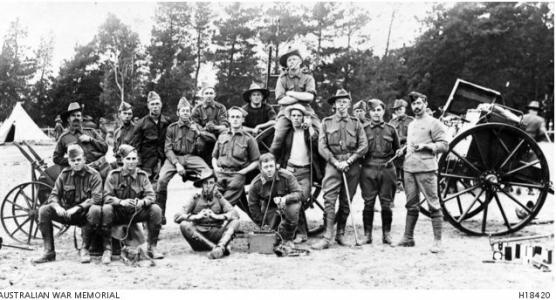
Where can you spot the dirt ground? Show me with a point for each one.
(373, 266)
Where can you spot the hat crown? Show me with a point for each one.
(74, 106)
(124, 106)
(152, 96)
(342, 92)
(534, 103)
(255, 86)
(183, 103)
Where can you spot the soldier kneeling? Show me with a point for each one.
(132, 197)
(208, 221)
(77, 188)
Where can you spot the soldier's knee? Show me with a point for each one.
(155, 210)
(45, 212)
(187, 227)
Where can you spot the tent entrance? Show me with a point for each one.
(11, 135)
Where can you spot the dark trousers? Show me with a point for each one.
(191, 163)
(231, 185)
(303, 176)
(289, 218)
(152, 214)
(377, 181)
(209, 235)
(47, 214)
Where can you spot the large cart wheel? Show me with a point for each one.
(453, 185)
(19, 212)
(314, 210)
(496, 180)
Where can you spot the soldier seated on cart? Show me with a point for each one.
(235, 155)
(89, 139)
(132, 198)
(275, 194)
(207, 220)
(76, 189)
(260, 115)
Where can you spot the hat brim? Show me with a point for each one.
(289, 109)
(65, 115)
(284, 58)
(333, 99)
(247, 94)
(199, 183)
(534, 107)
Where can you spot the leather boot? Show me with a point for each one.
(410, 221)
(222, 249)
(106, 245)
(198, 241)
(386, 215)
(49, 253)
(324, 243)
(437, 231)
(86, 233)
(161, 197)
(154, 231)
(368, 226)
(340, 233)
(301, 229)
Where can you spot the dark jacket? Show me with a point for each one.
(317, 161)
(148, 137)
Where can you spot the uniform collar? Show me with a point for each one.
(339, 118)
(240, 132)
(81, 172)
(381, 124)
(182, 123)
(294, 75)
(125, 172)
(206, 104)
(264, 180)
(75, 130)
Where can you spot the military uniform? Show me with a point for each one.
(94, 149)
(204, 114)
(208, 233)
(341, 139)
(58, 130)
(148, 138)
(377, 177)
(122, 135)
(72, 188)
(263, 190)
(401, 123)
(121, 185)
(180, 147)
(534, 126)
(234, 151)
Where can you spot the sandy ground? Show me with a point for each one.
(460, 266)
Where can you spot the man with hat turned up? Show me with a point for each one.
(235, 154)
(182, 140)
(400, 121)
(77, 189)
(260, 115)
(149, 135)
(208, 221)
(361, 112)
(275, 194)
(342, 142)
(122, 135)
(378, 178)
(534, 124)
(426, 137)
(293, 86)
(89, 139)
(132, 199)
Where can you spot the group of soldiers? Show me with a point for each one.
(215, 148)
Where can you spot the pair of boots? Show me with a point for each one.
(386, 215)
(325, 242)
(152, 240)
(411, 221)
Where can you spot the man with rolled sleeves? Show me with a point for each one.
(207, 220)
(122, 135)
(132, 199)
(378, 178)
(180, 148)
(89, 139)
(77, 189)
(400, 121)
(275, 194)
(260, 115)
(235, 154)
(293, 86)
(426, 137)
(360, 111)
(342, 142)
(148, 137)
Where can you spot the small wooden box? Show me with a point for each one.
(261, 242)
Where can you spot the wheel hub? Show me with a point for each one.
(490, 179)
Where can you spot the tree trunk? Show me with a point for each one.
(198, 58)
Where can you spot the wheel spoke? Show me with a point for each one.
(517, 201)
(459, 206)
(17, 205)
(18, 216)
(457, 176)
(511, 154)
(318, 204)
(465, 161)
(27, 199)
(481, 153)
(36, 231)
(20, 226)
(523, 184)
(462, 217)
(522, 167)
(501, 141)
(452, 196)
(502, 211)
(485, 214)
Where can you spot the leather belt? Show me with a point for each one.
(292, 168)
(379, 164)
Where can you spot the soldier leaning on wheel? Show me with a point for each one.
(342, 142)
(132, 199)
(207, 220)
(280, 187)
(378, 178)
(426, 137)
(180, 147)
(260, 115)
(235, 154)
(78, 189)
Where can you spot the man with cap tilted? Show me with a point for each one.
(122, 135)
(378, 178)
(58, 128)
(182, 140)
(132, 199)
(89, 139)
(77, 189)
(534, 124)
(260, 115)
(148, 137)
(296, 157)
(235, 154)
(275, 194)
(361, 112)
(400, 121)
(293, 86)
(208, 221)
(342, 142)
(426, 137)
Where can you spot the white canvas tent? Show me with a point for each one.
(20, 127)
